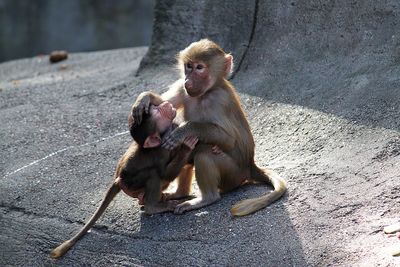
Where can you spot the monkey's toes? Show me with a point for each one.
(181, 208)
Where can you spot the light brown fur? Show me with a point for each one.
(213, 113)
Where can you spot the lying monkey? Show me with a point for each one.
(145, 169)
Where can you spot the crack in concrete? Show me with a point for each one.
(24, 211)
(62, 150)
(100, 228)
(253, 30)
(103, 93)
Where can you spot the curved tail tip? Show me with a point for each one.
(241, 208)
(59, 251)
(56, 253)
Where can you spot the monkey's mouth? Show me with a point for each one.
(190, 90)
(193, 93)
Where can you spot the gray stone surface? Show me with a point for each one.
(319, 82)
(30, 28)
(178, 23)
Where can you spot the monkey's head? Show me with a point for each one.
(203, 64)
(154, 124)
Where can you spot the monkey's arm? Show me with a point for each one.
(142, 104)
(181, 158)
(207, 132)
(175, 94)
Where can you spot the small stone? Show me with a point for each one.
(57, 56)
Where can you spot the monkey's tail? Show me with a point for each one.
(64, 247)
(249, 206)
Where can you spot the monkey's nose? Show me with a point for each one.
(188, 84)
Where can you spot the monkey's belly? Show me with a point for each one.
(133, 192)
(138, 193)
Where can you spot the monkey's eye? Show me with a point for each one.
(199, 67)
(189, 65)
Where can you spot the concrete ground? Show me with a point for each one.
(324, 112)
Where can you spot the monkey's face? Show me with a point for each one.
(197, 78)
(163, 115)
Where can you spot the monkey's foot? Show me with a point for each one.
(194, 204)
(176, 195)
(155, 210)
(167, 206)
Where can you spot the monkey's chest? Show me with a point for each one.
(202, 109)
(195, 112)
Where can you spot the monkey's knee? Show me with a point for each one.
(207, 176)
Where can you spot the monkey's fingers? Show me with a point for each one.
(139, 113)
(194, 139)
(146, 102)
(135, 114)
(191, 141)
(216, 150)
(170, 143)
(171, 204)
(168, 146)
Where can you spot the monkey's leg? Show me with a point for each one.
(208, 177)
(184, 184)
(153, 203)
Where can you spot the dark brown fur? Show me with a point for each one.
(150, 169)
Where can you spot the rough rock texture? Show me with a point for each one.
(319, 82)
(178, 23)
(30, 28)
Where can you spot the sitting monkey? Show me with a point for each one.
(156, 124)
(145, 169)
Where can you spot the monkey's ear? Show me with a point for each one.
(228, 65)
(153, 140)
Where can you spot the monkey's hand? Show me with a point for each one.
(191, 142)
(175, 139)
(216, 150)
(141, 105)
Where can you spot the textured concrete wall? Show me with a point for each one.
(340, 57)
(29, 28)
(178, 23)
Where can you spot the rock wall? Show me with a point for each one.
(29, 28)
(340, 57)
